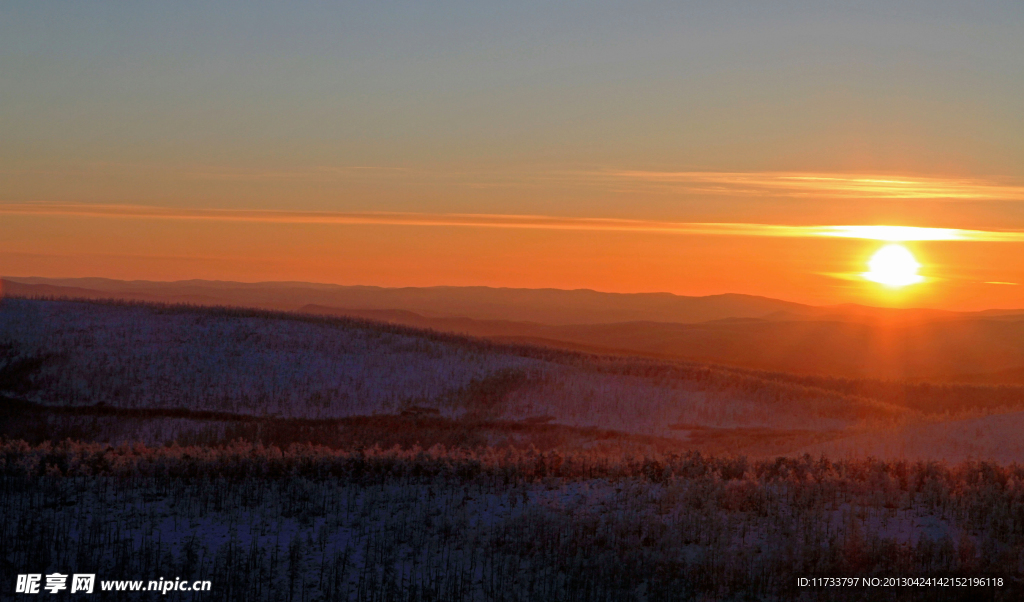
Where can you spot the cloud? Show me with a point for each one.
(833, 186)
(533, 222)
(824, 185)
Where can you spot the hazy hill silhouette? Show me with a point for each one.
(850, 341)
(976, 350)
(548, 306)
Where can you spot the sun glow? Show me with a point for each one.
(894, 266)
(899, 233)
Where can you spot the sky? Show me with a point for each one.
(688, 147)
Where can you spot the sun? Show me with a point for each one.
(894, 266)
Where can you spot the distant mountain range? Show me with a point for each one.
(742, 330)
(546, 306)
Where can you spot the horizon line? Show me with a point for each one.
(513, 288)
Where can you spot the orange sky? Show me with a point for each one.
(693, 148)
(809, 263)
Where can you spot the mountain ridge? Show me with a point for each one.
(848, 341)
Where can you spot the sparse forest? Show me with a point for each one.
(312, 523)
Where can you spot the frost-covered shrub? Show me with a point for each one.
(311, 523)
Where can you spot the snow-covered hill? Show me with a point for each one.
(299, 366)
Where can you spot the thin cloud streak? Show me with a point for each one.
(534, 222)
(836, 186)
(825, 185)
